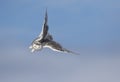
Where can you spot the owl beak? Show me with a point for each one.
(32, 50)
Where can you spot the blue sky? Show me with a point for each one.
(89, 27)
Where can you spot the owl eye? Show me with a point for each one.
(37, 43)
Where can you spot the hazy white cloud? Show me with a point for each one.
(18, 65)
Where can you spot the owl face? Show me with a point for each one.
(36, 45)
